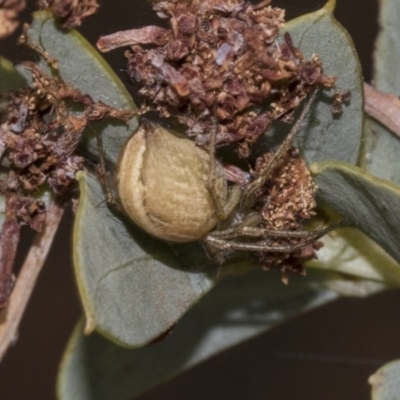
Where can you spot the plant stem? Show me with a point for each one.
(11, 316)
(383, 107)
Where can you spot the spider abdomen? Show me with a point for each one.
(162, 185)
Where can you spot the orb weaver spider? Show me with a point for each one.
(224, 225)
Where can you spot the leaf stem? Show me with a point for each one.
(12, 314)
(383, 107)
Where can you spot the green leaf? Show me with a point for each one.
(371, 204)
(382, 149)
(386, 382)
(9, 77)
(387, 56)
(234, 311)
(324, 136)
(133, 287)
(349, 251)
(82, 66)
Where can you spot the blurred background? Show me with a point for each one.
(326, 354)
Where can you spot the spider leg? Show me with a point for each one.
(111, 200)
(261, 246)
(251, 189)
(210, 182)
(223, 207)
(254, 231)
(219, 240)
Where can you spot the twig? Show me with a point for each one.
(383, 107)
(9, 239)
(11, 316)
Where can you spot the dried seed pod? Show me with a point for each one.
(162, 185)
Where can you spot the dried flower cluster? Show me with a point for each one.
(285, 202)
(9, 10)
(288, 197)
(39, 134)
(221, 62)
(290, 262)
(70, 12)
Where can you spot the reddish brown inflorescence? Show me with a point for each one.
(287, 200)
(288, 197)
(219, 63)
(70, 12)
(40, 131)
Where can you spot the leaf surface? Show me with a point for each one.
(235, 310)
(349, 251)
(371, 204)
(382, 150)
(134, 287)
(325, 136)
(386, 382)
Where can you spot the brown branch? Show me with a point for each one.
(9, 239)
(11, 316)
(383, 107)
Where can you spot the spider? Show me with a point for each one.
(249, 234)
(224, 222)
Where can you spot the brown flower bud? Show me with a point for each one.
(162, 184)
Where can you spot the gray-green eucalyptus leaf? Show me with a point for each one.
(235, 310)
(386, 382)
(325, 136)
(382, 149)
(350, 251)
(133, 287)
(369, 203)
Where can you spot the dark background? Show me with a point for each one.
(325, 354)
